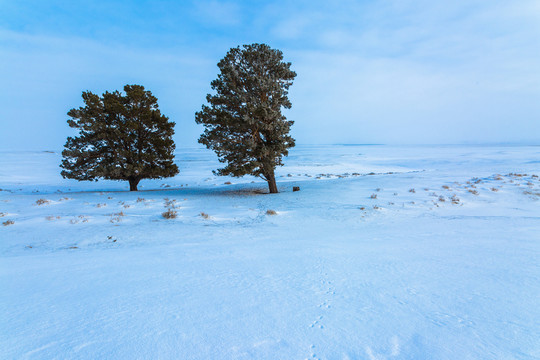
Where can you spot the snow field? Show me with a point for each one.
(447, 271)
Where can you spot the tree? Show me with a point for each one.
(121, 137)
(243, 121)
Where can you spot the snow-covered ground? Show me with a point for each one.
(385, 253)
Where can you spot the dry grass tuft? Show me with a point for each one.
(412, 190)
(80, 218)
(169, 203)
(455, 199)
(116, 217)
(271, 212)
(42, 201)
(101, 205)
(205, 215)
(373, 196)
(8, 222)
(51, 218)
(169, 214)
(446, 187)
(494, 189)
(442, 199)
(230, 183)
(474, 192)
(2, 214)
(141, 200)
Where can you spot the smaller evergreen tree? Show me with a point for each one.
(243, 122)
(121, 137)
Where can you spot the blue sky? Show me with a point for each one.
(397, 72)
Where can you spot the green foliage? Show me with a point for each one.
(121, 137)
(243, 121)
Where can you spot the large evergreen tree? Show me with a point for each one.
(121, 137)
(243, 121)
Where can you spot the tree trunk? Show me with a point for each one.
(133, 182)
(271, 178)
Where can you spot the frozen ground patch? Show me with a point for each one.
(447, 271)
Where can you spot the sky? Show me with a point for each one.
(385, 72)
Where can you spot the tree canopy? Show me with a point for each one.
(243, 121)
(121, 137)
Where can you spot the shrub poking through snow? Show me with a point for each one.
(141, 200)
(116, 217)
(170, 203)
(205, 215)
(446, 187)
(442, 199)
(494, 189)
(169, 214)
(373, 196)
(101, 205)
(42, 201)
(455, 199)
(227, 183)
(8, 222)
(2, 214)
(271, 212)
(412, 190)
(474, 192)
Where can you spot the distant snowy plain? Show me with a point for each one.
(387, 252)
